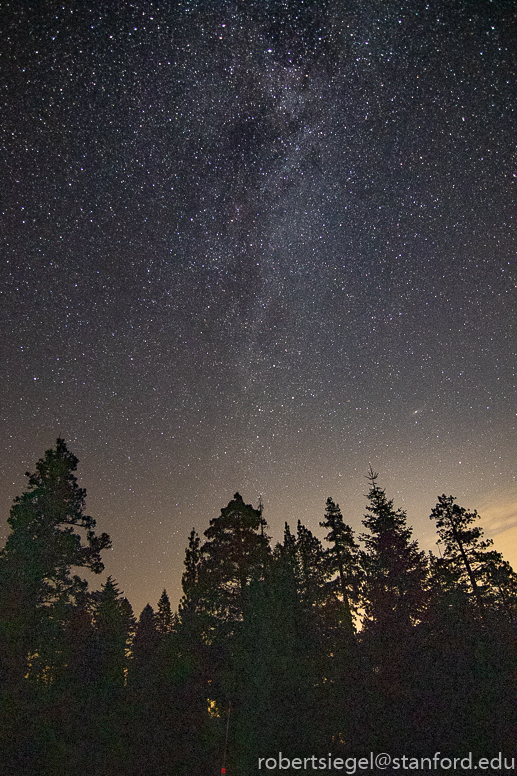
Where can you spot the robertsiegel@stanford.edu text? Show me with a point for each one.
(351, 765)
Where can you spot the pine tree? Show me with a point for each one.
(326, 649)
(467, 566)
(165, 619)
(235, 551)
(36, 584)
(277, 669)
(215, 582)
(193, 608)
(313, 571)
(78, 674)
(394, 597)
(394, 593)
(190, 578)
(465, 670)
(43, 546)
(342, 559)
(145, 649)
(114, 628)
(303, 553)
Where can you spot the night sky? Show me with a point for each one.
(256, 246)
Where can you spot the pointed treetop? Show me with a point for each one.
(164, 616)
(372, 476)
(147, 615)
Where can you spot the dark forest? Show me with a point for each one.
(332, 649)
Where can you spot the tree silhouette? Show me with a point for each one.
(467, 566)
(234, 552)
(165, 620)
(394, 599)
(342, 560)
(50, 534)
(269, 634)
(114, 627)
(394, 592)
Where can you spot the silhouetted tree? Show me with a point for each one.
(78, 675)
(191, 601)
(312, 571)
(277, 703)
(165, 620)
(217, 572)
(145, 648)
(467, 567)
(342, 559)
(36, 584)
(394, 592)
(394, 598)
(114, 628)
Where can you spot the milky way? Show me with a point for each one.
(258, 246)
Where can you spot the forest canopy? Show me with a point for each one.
(340, 646)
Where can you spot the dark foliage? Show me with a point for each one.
(301, 649)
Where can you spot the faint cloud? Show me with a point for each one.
(499, 516)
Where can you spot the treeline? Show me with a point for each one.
(362, 644)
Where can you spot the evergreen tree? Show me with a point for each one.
(345, 688)
(463, 676)
(312, 570)
(393, 597)
(217, 575)
(194, 614)
(114, 628)
(165, 620)
(276, 704)
(43, 546)
(78, 675)
(36, 584)
(288, 549)
(325, 645)
(190, 580)
(342, 559)
(235, 551)
(303, 553)
(394, 593)
(143, 670)
(468, 567)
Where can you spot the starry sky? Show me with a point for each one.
(255, 246)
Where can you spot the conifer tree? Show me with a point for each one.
(164, 617)
(36, 583)
(277, 668)
(190, 581)
(145, 648)
(313, 571)
(43, 546)
(342, 559)
(78, 673)
(394, 597)
(468, 566)
(465, 669)
(289, 545)
(234, 552)
(114, 628)
(303, 553)
(394, 593)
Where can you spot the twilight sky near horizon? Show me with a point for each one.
(256, 246)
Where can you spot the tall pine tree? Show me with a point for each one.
(234, 552)
(342, 559)
(50, 534)
(468, 567)
(394, 592)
